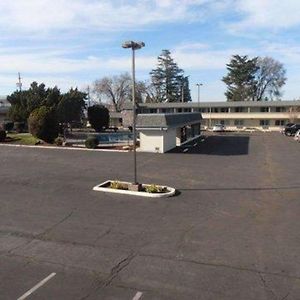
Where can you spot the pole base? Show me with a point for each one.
(135, 187)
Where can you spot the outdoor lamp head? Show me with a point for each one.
(133, 45)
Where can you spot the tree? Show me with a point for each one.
(167, 78)
(70, 107)
(98, 116)
(116, 89)
(186, 93)
(270, 77)
(24, 102)
(43, 124)
(240, 79)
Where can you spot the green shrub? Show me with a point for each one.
(8, 125)
(43, 124)
(91, 142)
(118, 185)
(2, 135)
(153, 188)
(59, 141)
(98, 116)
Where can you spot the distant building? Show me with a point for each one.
(4, 107)
(271, 115)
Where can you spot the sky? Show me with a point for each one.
(71, 43)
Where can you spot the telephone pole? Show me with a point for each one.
(19, 83)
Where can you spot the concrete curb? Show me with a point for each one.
(63, 148)
(100, 188)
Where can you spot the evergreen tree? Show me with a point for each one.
(167, 78)
(70, 107)
(240, 80)
(186, 90)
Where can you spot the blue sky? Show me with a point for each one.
(71, 43)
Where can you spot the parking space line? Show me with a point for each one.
(41, 283)
(137, 296)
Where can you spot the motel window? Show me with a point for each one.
(187, 110)
(264, 122)
(153, 110)
(239, 109)
(280, 109)
(203, 110)
(215, 110)
(238, 122)
(264, 109)
(224, 109)
(279, 122)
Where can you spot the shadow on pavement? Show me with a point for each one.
(243, 189)
(216, 145)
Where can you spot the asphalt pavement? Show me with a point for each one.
(232, 232)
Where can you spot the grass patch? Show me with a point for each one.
(22, 139)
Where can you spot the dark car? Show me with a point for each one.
(291, 130)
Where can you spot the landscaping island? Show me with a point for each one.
(146, 190)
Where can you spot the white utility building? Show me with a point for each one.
(162, 132)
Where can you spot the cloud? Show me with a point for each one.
(43, 16)
(265, 14)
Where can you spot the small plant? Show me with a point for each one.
(118, 185)
(91, 142)
(2, 135)
(59, 141)
(153, 188)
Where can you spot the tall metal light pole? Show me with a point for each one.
(198, 85)
(134, 46)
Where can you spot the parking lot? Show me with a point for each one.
(232, 232)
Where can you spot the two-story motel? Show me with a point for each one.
(271, 115)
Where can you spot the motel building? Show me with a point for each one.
(263, 115)
(163, 126)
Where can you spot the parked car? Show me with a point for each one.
(297, 136)
(288, 125)
(218, 128)
(291, 130)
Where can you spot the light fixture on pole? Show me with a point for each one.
(198, 85)
(133, 46)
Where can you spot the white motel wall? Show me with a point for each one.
(159, 141)
(160, 133)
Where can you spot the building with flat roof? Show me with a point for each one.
(270, 115)
(4, 107)
(162, 132)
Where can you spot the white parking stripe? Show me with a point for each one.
(41, 283)
(137, 296)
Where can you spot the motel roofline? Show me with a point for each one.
(167, 120)
(128, 106)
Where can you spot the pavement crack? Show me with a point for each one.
(216, 265)
(118, 268)
(42, 235)
(264, 282)
(121, 265)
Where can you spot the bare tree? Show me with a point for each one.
(294, 114)
(270, 78)
(116, 90)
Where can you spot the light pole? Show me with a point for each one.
(134, 46)
(198, 85)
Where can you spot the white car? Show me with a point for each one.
(297, 136)
(218, 128)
